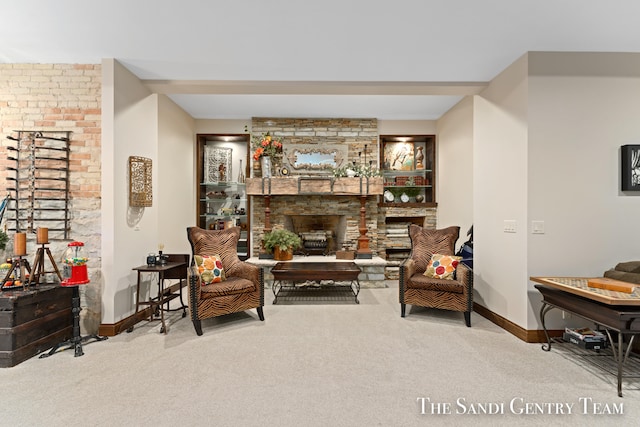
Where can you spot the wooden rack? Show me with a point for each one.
(40, 182)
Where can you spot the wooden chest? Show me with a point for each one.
(33, 321)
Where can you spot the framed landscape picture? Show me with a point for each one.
(630, 167)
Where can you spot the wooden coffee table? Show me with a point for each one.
(288, 276)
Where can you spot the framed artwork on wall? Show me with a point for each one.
(398, 156)
(630, 167)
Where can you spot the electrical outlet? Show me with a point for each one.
(510, 226)
(537, 227)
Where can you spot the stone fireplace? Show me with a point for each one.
(340, 214)
(360, 139)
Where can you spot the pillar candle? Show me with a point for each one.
(20, 244)
(43, 235)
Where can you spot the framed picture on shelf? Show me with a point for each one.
(630, 167)
(399, 156)
(217, 164)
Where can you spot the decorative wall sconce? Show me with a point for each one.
(140, 191)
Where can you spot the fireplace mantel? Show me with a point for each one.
(314, 185)
(360, 187)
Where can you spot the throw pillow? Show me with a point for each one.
(210, 269)
(442, 266)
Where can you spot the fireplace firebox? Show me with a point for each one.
(320, 234)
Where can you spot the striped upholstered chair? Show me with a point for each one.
(241, 287)
(417, 289)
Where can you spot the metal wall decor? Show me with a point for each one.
(40, 183)
(217, 164)
(140, 189)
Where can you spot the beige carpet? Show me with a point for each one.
(314, 363)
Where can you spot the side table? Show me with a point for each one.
(175, 268)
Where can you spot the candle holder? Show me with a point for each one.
(38, 263)
(19, 265)
(20, 244)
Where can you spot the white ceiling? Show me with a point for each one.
(402, 59)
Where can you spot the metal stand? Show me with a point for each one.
(38, 265)
(21, 265)
(76, 341)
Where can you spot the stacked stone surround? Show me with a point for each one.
(62, 97)
(317, 205)
(353, 133)
(425, 217)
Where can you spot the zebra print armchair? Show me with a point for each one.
(418, 289)
(243, 286)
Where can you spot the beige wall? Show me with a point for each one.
(407, 127)
(223, 126)
(500, 193)
(176, 177)
(582, 108)
(546, 147)
(152, 126)
(127, 232)
(454, 166)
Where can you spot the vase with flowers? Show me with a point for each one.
(265, 148)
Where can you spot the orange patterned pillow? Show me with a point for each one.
(442, 266)
(210, 269)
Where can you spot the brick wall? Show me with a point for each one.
(63, 97)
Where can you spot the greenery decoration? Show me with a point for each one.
(356, 170)
(283, 239)
(409, 191)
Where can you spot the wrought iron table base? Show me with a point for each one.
(278, 286)
(620, 355)
(76, 340)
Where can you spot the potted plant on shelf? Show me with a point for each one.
(281, 243)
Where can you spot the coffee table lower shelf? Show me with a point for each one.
(307, 281)
(305, 292)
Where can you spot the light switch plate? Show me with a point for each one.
(510, 226)
(537, 227)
